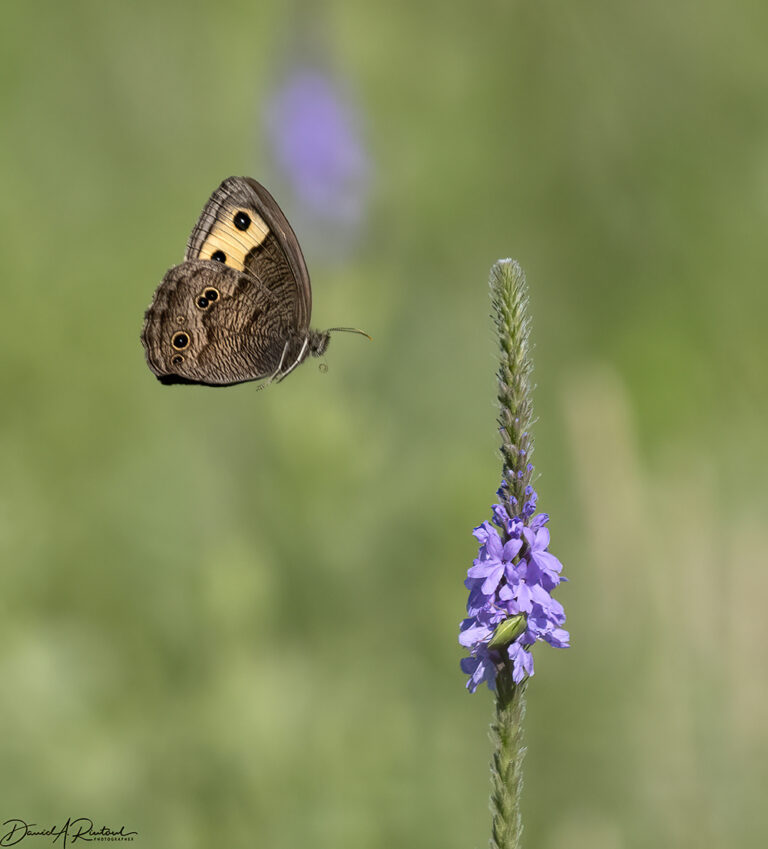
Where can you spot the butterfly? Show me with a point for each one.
(238, 307)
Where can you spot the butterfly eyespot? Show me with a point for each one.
(219, 256)
(242, 220)
(180, 341)
(211, 294)
(179, 319)
(202, 302)
(177, 359)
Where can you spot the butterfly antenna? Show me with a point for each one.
(348, 330)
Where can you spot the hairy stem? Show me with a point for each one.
(507, 762)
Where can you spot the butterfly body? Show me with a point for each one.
(238, 307)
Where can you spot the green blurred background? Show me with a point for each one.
(229, 618)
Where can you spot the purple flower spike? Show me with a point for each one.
(514, 573)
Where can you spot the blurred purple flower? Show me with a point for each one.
(312, 130)
(513, 574)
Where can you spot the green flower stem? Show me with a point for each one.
(507, 762)
(509, 300)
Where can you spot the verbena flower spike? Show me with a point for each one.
(510, 583)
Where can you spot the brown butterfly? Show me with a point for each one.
(238, 307)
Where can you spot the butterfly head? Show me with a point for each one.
(318, 342)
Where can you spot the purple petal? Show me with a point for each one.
(477, 602)
(515, 572)
(500, 515)
(558, 638)
(492, 581)
(506, 592)
(549, 581)
(530, 571)
(479, 669)
(522, 662)
(484, 568)
(524, 597)
(481, 532)
(511, 607)
(546, 562)
(493, 546)
(537, 626)
(551, 608)
(540, 596)
(511, 549)
(474, 634)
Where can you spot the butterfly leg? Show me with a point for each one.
(273, 376)
(279, 365)
(296, 361)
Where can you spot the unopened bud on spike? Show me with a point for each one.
(508, 631)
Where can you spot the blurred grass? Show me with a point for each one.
(231, 617)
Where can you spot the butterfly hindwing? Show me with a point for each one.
(216, 325)
(242, 227)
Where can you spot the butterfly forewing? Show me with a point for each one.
(243, 227)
